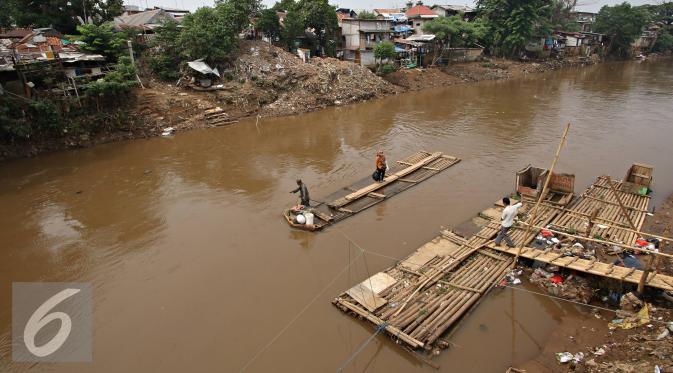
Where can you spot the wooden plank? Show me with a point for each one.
(376, 195)
(407, 181)
(366, 297)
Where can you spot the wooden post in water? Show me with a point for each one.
(533, 213)
(653, 263)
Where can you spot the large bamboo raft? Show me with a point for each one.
(366, 193)
(425, 294)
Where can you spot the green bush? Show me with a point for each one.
(387, 69)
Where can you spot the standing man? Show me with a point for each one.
(508, 215)
(303, 193)
(381, 166)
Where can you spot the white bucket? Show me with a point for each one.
(309, 218)
(301, 219)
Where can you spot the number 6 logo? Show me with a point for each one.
(40, 318)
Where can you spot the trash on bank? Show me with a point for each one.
(168, 131)
(639, 319)
(564, 357)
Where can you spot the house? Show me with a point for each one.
(16, 34)
(418, 15)
(393, 15)
(144, 21)
(419, 48)
(177, 13)
(647, 39)
(468, 13)
(42, 43)
(343, 13)
(360, 36)
(585, 20)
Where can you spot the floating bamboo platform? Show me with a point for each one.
(599, 199)
(419, 298)
(366, 193)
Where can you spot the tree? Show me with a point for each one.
(384, 50)
(205, 35)
(166, 57)
(293, 27)
(319, 16)
(366, 15)
(63, 15)
(512, 23)
(454, 30)
(269, 24)
(561, 17)
(102, 40)
(284, 5)
(664, 43)
(236, 14)
(622, 24)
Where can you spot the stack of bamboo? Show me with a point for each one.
(425, 302)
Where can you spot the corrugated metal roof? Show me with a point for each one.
(143, 18)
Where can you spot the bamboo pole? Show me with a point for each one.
(533, 213)
(652, 263)
(600, 241)
(621, 205)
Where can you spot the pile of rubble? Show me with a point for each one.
(572, 287)
(640, 340)
(287, 85)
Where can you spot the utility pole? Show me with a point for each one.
(130, 44)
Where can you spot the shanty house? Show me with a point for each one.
(451, 10)
(585, 20)
(145, 21)
(360, 36)
(418, 15)
(394, 15)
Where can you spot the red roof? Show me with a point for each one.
(419, 10)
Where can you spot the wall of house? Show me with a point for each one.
(418, 25)
(367, 58)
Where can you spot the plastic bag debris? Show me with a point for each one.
(564, 357)
(641, 318)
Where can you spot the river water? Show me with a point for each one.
(193, 268)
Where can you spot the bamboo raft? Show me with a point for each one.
(418, 299)
(365, 193)
(424, 295)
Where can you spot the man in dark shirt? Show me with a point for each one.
(303, 193)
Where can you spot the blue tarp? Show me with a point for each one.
(402, 28)
(400, 50)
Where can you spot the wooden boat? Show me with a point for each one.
(318, 222)
(530, 180)
(638, 176)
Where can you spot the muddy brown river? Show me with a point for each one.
(194, 269)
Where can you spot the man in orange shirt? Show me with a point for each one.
(381, 166)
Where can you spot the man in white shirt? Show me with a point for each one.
(508, 215)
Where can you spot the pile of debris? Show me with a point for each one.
(570, 287)
(567, 246)
(288, 85)
(640, 340)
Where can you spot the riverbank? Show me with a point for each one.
(270, 82)
(640, 349)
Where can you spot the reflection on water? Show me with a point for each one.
(194, 268)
